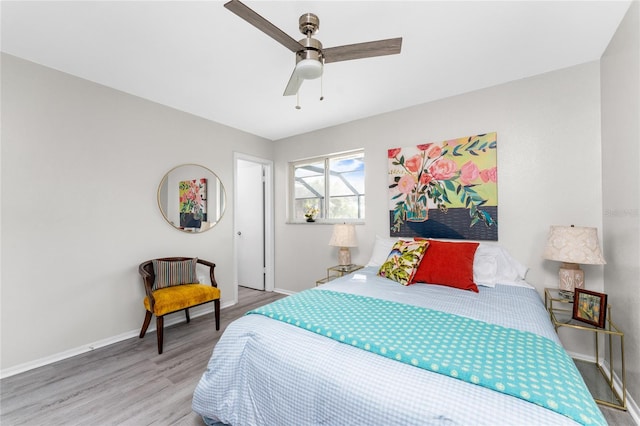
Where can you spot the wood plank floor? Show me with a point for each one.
(128, 383)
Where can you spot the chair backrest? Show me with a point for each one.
(147, 271)
(149, 276)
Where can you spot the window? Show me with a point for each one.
(334, 185)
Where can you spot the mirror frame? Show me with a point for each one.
(217, 203)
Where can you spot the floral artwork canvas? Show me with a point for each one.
(445, 190)
(193, 202)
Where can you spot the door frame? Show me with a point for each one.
(269, 242)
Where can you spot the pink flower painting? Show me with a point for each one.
(193, 202)
(443, 190)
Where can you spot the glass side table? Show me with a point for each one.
(600, 383)
(338, 271)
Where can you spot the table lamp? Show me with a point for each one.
(344, 236)
(573, 245)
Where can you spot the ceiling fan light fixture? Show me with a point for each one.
(309, 69)
(310, 55)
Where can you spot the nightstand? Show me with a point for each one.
(338, 271)
(599, 382)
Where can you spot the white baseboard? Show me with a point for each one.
(634, 409)
(171, 320)
(283, 291)
(632, 406)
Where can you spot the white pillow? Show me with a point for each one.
(485, 269)
(507, 269)
(517, 269)
(381, 249)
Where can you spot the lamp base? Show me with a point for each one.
(571, 277)
(344, 256)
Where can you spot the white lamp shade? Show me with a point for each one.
(309, 69)
(344, 235)
(574, 244)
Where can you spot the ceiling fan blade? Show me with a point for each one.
(294, 84)
(263, 25)
(369, 49)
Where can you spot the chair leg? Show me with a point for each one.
(216, 307)
(186, 313)
(145, 324)
(159, 326)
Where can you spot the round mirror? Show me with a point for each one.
(191, 198)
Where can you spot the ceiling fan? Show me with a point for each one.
(310, 55)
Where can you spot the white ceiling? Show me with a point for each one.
(200, 58)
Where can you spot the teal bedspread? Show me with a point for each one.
(514, 362)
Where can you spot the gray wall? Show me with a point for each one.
(81, 164)
(620, 68)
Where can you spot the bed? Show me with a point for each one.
(274, 366)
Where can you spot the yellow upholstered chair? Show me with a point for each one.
(171, 285)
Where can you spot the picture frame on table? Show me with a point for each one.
(590, 307)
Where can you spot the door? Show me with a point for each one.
(250, 224)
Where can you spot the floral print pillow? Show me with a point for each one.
(403, 260)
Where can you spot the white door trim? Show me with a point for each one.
(269, 242)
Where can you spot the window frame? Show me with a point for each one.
(325, 159)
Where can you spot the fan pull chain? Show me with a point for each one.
(321, 95)
(298, 100)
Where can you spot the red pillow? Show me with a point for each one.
(449, 264)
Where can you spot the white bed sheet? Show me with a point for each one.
(266, 372)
